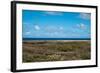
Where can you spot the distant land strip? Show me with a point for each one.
(56, 38)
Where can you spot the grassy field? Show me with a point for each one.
(41, 51)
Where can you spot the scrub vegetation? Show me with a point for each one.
(52, 50)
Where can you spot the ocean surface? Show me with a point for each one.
(56, 38)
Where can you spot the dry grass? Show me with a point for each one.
(40, 51)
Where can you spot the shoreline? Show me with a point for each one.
(54, 40)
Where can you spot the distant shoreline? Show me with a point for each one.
(56, 38)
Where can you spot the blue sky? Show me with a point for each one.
(51, 24)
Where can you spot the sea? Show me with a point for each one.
(56, 38)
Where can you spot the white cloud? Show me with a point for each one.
(56, 33)
(27, 33)
(53, 13)
(61, 28)
(53, 29)
(85, 15)
(81, 26)
(37, 27)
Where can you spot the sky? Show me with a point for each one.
(54, 24)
